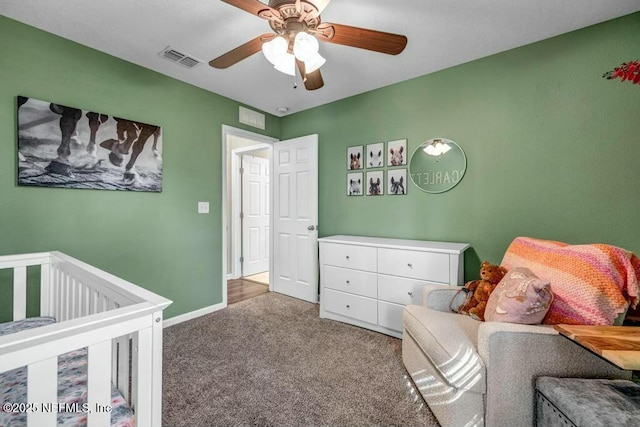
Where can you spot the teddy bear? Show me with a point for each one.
(490, 276)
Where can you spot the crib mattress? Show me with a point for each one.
(72, 385)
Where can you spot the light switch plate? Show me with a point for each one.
(203, 207)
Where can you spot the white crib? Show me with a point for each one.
(119, 323)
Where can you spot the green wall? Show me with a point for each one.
(156, 240)
(552, 147)
(552, 152)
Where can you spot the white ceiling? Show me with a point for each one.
(441, 33)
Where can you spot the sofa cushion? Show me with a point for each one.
(450, 341)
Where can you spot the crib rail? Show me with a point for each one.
(19, 264)
(119, 323)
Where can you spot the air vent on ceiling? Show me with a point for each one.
(179, 57)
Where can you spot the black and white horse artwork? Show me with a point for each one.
(57, 147)
(131, 134)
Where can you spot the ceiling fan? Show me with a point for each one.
(294, 43)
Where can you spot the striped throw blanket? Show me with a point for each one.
(592, 284)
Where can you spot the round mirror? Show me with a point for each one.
(437, 165)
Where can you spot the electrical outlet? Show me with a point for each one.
(203, 207)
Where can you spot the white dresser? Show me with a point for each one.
(367, 281)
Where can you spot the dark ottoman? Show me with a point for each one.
(587, 402)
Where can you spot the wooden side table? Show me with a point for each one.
(619, 345)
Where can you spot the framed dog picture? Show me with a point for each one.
(397, 182)
(375, 183)
(355, 158)
(354, 184)
(397, 152)
(375, 155)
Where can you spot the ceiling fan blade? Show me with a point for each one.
(362, 38)
(241, 52)
(255, 8)
(312, 81)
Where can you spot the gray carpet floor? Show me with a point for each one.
(271, 361)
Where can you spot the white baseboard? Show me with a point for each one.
(193, 314)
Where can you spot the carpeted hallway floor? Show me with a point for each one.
(271, 361)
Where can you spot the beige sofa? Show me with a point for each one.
(474, 373)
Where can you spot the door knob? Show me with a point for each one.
(410, 294)
(311, 228)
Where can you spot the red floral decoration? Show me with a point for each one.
(627, 71)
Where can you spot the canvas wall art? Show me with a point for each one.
(375, 155)
(397, 152)
(375, 183)
(355, 159)
(61, 146)
(397, 182)
(354, 184)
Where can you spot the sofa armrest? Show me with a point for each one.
(438, 297)
(515, 355)
(487, 330)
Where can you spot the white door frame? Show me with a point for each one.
(226, 132)
(236, 202)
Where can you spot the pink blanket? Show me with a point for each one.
(592, 284)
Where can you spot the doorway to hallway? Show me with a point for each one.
(289, 237)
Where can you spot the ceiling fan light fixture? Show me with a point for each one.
(305, 46)
(286, 64)
(313, 63)
(275, 49)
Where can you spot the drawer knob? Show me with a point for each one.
(347, 257)
(410, 294)
(348, 306)
(348, 282)
(410, 265)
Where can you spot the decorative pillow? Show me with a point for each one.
(520, 297)
(591, 284)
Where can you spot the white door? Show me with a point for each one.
(295, 218)
(255, 215)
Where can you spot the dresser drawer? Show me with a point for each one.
(350, 256)
(390, 315)
(401, 290)
(352, 281)
(349, 305)
(430, 266)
